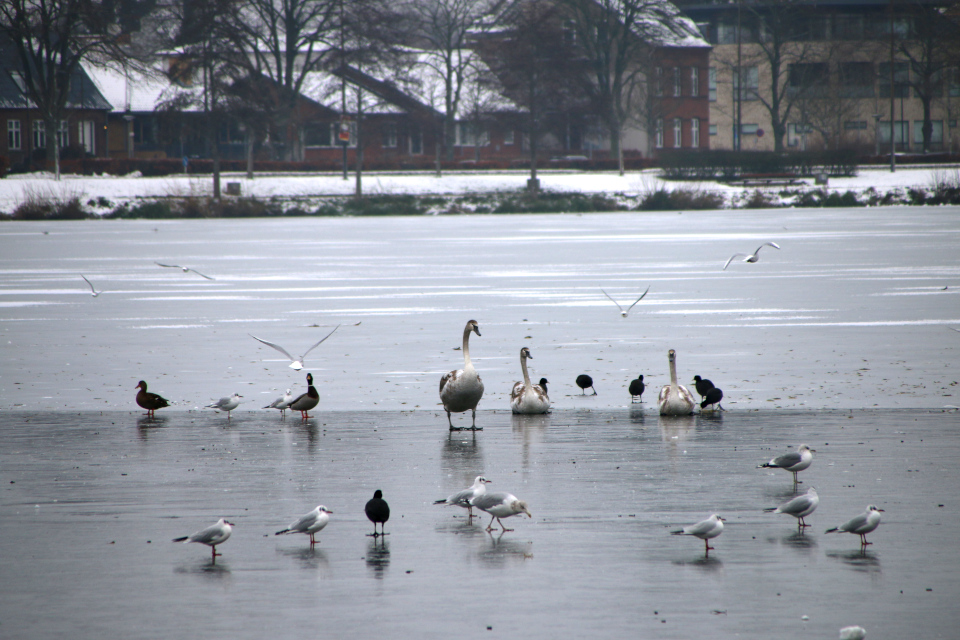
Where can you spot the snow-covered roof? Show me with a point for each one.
(129, 90)
(664, 24)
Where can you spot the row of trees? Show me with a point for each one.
(250, 58)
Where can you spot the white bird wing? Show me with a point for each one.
(638, 300)
(92, 290)
(173, 266)
(736, 255)
(614, 301)
(317, 344)
(275, 346)
(702, 527)
(766, 244)
(855, 524)
(305, 521)
(200, 274)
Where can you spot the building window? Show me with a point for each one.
(416, 142)
(658, 85)
(714, 129)
(855, 125)
(900, 128)
(809, 79)
(39, 135)
(694, 81)
(936, 134)
(63, 135)
(508, 137)
(659, 133)
(901, 79)
(677, 133)
(751, 83)
(953, 82)
(388, 134)
(319, 135)
(695, 132)
(677, 82)
(856, 79)
(749, 129)
(712, 83)
(13, 135)
(87, 139)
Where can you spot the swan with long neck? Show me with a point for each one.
(674, 399)
(462, 389)
(525, 397)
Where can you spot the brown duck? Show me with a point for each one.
(307, 401)
(150, 401)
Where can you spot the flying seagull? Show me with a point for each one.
(295, 363)
(93, 292)
(622, 312)
(753, 257)
(185, 269)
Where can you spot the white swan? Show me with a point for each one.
(526, 397)
(674, 399)
(462, 389)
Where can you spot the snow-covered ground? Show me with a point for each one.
(14, 189)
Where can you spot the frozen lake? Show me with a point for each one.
(843, 340)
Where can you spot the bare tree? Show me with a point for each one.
(931, 48)
(446, 27)
(51, 39)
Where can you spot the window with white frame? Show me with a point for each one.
(508, 137)
(658, 86)
(86, 134)
(751, 83)
(694, 81)
(39, 134)
(13, 135)
(677, 133)
(63, 135)
(712, 83)
(695, 132)
(388, 133)
(936, 132)
(659, 133)
(677, 82)
(714, 129)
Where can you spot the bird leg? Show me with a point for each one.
(502, 526)
(312, 541)
(490, 526)
(706, 543)
(863, 540)
(801, 523)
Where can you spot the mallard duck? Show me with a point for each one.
(306, 401)
(526, 398)
(462, 389)
(150, 401)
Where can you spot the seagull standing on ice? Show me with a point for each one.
(295, 363)
(184, 269)
(463, 498)
(310, 523)
(705, 530)
(211, 536)
(800, 507)
(227, 404)
(861, 525)
(281, 403)
(753, 257)
(500, 505)
(622, 312)
(792, 462)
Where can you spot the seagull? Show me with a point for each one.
(310, 523)
(861, 525)
(500, 505)
(792, 462)
(463, 498)
(636, 388)
(622, 312)
(211, 536)
(377, 510)
(855, 632)
(753, 257)
(227, 404)
(800, 507)
(185, 269)
(296, 363)
(705, 530)
(712, 400)
(584, 382)
(93, 292)
(281, 403)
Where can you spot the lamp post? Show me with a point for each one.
(876, 133)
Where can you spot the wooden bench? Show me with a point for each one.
(767, 179)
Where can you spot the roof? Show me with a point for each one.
(129, 90)
(665, 25)
(84, 94)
